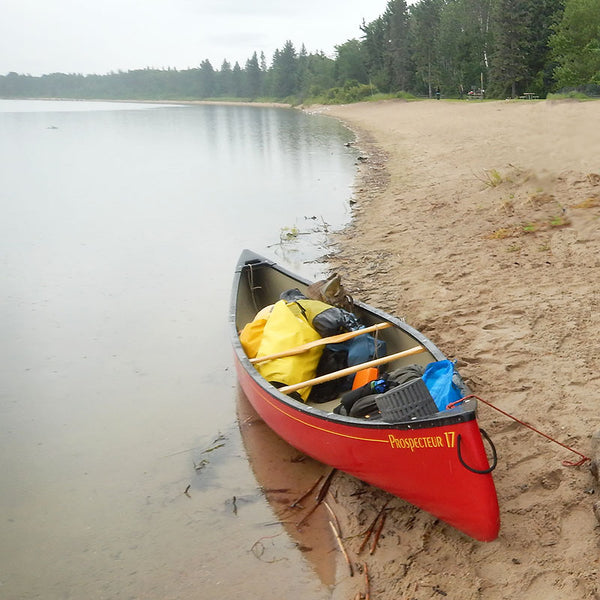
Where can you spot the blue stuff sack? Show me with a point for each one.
(438, 379)
(364, 348)
(360, 349)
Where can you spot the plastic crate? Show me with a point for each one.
(406, 402)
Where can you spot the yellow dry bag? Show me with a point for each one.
(287, 328)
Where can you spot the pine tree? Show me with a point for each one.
(398, 63)
(425, 28)
(512, 18)
(253, 78)
(285, 71)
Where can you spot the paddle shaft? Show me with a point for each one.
(334, 339)
(349, 370)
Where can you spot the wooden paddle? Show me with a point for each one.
(333, 339)
(349, 370)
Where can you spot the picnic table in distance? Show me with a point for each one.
(475, 95)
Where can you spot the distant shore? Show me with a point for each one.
(176, 102)
(479, 222)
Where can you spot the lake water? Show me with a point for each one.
(120, 228)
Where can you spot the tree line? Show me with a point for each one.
(502, 48)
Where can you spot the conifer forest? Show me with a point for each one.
(486, 48)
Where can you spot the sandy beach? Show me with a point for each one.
(479, 223)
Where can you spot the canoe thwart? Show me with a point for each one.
(350, 370)
(332, 339)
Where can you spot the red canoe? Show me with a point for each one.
(437, 462)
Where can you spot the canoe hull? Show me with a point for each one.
(420, 466)
(423, 462)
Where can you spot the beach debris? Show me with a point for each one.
(595, 463)
(366, 595)
(379, 518)
(333, 516)
(340, 543)
(288, 233)
(367, 582)
(216, 444)
(320, 497)
(258, 548)
(308, 492)
(378, 533)
(187, 490)
(198, 466)
(325, 487)
(593, 178)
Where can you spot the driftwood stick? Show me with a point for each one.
(371, 528)
(595, 466)
(367, 535)
(349, 370)
(307, 493)
(305, 518)
(332, 339)
(367, 582)
(320, 497)
(376, 538)
(333, 516)
(325, 487)
(342, 548)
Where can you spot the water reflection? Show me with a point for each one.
(285, 476)
(120, 231)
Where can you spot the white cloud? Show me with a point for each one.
(43, 36)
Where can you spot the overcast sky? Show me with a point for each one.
(99, 36)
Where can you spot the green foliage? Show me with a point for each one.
(506, 47)
(509, 70)
(576, 44)
(350, 63)
(572, 95)
(351, 91)
(424, 34)
(405, 96)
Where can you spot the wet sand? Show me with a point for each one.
(479, 224)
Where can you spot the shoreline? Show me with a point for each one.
(170, 102)
(480, 224)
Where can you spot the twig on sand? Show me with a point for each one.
(306, 516)
(371, 528)
(376, 538)
(325, 487)
(333, 516)
(320, 497)
(307, 493)
(367, 582)
(342, 548)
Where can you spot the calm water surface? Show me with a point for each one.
(120, 228)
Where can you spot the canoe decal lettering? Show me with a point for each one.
(424, 442)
